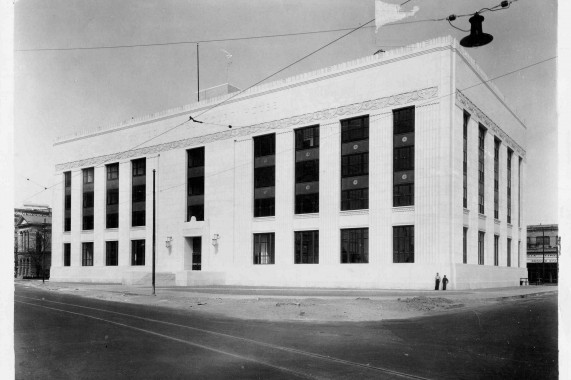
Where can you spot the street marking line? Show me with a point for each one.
(263, 344)
(299, 374)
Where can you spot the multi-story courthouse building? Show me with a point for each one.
(375, 173)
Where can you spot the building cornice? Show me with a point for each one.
(463, 102)
(299, 120)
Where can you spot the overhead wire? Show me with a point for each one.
(429, 100)
(190, 118)
(242, 91)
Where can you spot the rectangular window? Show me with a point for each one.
(264, 175)
(403, 244)
(138, 192)
(112, 171)
(355, 163)
(87, 254)
(403, 156)
(519, 254)
(137, 252)
(509, 252)
(66, 254)
(112, 196)
(307, 138)
(465, 246)
(480, 248)
(497, 144)
(306, 203)
(481, 167)
(355, 199)
(264, 245)
(355, 246)
(87, 199)
(195, 184)
(519, 192)
(306, 171)
(355, 129)
(139, 167)
(67, 202)
(306, 247)
(88, 175)
(111, 253)
(509, 185)
(496, 250)
(466, 120)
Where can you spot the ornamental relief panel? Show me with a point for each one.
(463, 102)
(306, 119)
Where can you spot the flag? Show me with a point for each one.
(387, 13)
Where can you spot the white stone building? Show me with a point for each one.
(375, 173)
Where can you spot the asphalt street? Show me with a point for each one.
(59, 336)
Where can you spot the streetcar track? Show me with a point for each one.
(252, 341)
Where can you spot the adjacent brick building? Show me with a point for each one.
(32, 241)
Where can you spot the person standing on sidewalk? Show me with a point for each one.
(436, 282)
(444, 282)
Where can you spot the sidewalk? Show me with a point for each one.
(299, 304)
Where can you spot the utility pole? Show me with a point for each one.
(154, 230)
(43, 248)
(543, 265)
(197, 74)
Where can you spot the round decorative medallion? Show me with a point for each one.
(404, 139)
(355, 146)
(265, 160)
(404, 176)
(265, 192)
(307, 154)
(355, 182)
(307, 187)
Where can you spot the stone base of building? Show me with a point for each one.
(394, 276)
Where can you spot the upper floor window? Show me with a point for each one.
(307, 138)
(403, 120)
(355, 129)
(196, 157)
(139, 167)
(67, 179)
(88, 175)
(112, 172)
(265, 145)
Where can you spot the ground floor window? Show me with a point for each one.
(264, 245)
(496, 250)
(355, 245)
(509, 252)
(403, 244)
(481, 248)
(306, 247)
(465, 247)
(137, 252)
(66, 254)
(111, 253)
(87, 254)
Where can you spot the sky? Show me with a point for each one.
(59, 92)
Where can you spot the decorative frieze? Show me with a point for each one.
(476, 113)
(393, 101)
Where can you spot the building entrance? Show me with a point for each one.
(193, 253)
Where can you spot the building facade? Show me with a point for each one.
(32, 242)
(375, 173)
(543, 253)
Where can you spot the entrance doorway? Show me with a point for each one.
(196, 253)
(193, 253)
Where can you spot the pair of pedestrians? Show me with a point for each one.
(437, 282)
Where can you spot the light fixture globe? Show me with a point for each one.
(477, 37)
